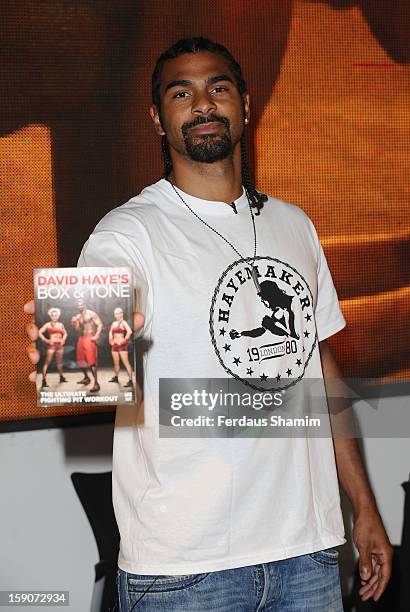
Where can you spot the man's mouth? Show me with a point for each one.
(207, 128)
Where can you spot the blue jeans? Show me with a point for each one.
(308, 583)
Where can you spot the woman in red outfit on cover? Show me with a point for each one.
(57, 335)
(119, 334)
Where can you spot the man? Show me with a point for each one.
(89, 324)
(229, 524)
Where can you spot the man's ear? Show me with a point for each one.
(153, 111)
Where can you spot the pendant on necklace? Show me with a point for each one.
(255, 279)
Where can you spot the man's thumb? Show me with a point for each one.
(138, 321)
(364, 566)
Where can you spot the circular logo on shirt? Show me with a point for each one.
(265, 340)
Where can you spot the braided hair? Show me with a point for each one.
(194, 45)
(256, 198)
(166, 155)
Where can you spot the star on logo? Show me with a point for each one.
(308, 317)
(249, 371)
(307, 334)
(236, 360)
(278, 377)
(288, 371)
(298, 362)
(264, 377)
(222, 331)
(227, 347)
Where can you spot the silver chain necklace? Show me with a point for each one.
(253, 269)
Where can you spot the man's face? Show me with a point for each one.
(202, 112)
(81, 305)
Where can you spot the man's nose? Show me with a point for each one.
(203, 103)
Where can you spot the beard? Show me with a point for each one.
(208, 148)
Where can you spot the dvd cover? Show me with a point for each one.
(87, 353)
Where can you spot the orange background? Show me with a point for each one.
(329, 83)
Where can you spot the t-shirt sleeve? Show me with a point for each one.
(328, 315)
(109, 248)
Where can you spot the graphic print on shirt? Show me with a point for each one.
(266, 339)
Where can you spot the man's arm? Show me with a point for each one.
(369, 535)
(99, 324)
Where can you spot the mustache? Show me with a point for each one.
(207, 119)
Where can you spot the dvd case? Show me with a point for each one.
(85, 318)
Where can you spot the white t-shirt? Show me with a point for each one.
(191, 505)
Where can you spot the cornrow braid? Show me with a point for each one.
(166, 156)
(256, 198)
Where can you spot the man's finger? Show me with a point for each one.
(32, 377)
(385, 573)
(29, 307)
(366, 588)
(32, 331)
(369, 593)
(365, 562)
(33, 353)
(138, 320)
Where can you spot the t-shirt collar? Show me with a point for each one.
(204, 207)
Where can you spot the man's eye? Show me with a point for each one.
(220, 88)
(180, 94)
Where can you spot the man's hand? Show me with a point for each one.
(369, 534)
(375, 554)
(32, 332)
